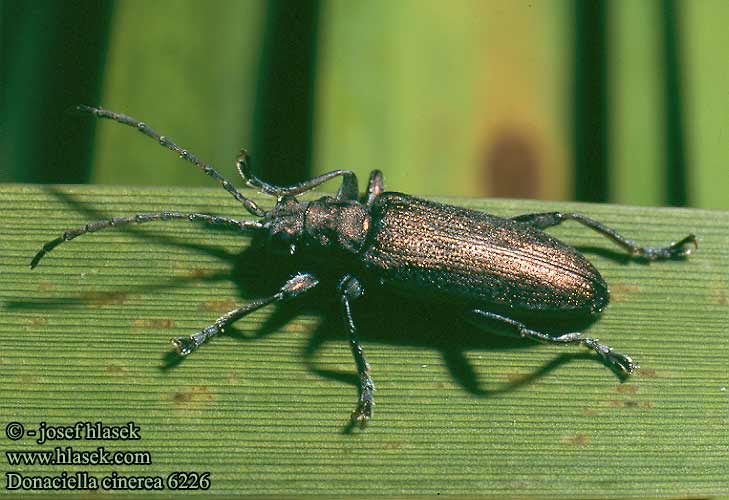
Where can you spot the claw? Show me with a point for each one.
(622, 361)
(365, 408)
(679, 249)
(362, 415)
(672, 251)
(183, 345)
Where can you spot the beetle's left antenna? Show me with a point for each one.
(249, 204)
(241, 225)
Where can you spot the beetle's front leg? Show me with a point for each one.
(622, 362)
(294, 287)
(349, 190)
(351, 289)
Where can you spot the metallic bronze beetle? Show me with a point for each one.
(490, 268)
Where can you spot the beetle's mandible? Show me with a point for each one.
(490, 269)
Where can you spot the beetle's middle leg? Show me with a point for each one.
(294, 287)
(549, 219)
(351, 289)
(515, 328)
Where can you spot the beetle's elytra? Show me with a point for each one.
(488, 268)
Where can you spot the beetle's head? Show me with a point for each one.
(284, 224)
(324, 224)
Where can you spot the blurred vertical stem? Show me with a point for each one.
(676, 179)
(52, 59)
(285, 95)
(590, 108)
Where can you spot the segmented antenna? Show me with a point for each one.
(141, 219)
(249, 204)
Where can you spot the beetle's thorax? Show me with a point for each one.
(325, 223)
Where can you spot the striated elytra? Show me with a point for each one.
(489, 269)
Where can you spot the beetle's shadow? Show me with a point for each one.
(615, 255)
(91, 213)
(381, 317)
(384, 317)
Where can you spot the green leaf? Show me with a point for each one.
(264, 407)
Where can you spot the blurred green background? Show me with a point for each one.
(621, 101)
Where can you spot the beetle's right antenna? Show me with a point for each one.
(250, 205)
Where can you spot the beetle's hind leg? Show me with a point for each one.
(621, 362)
(351, 289)
(294, 287)
(678, 249)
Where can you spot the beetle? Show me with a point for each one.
(489, 268)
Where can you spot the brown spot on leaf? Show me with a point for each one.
(627, 404)
(590, 412)
(721, 298)
(116, 370)
(153, 323)
(647, 373)
(201, 273)
(39, 321)
(619, 293)
(181, 397)
(196, 395)
(45, 286)
(627, 389)
(218, 306)
(392, 445)
(577, 440)
(98, 299)
(300, 327)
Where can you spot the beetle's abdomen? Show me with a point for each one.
(475, 258)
